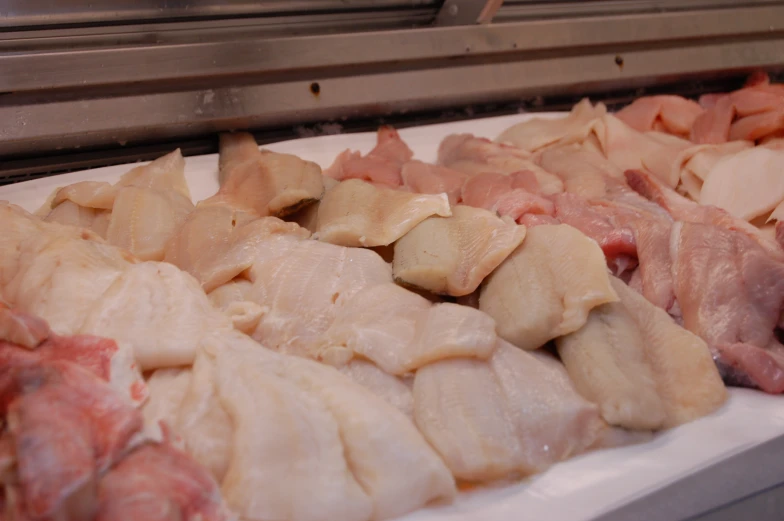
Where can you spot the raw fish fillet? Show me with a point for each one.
(584, 171)
(538, 133)
(356, 213)
(672, 114)
(341, 453)
(472, 155)
(264, 182)
(547, 287)
(683, 209)
(143, 219)
(232, 299)
(301, 283)
(239, 238)
(695, 164)
(453, 255)
(423, 178)
(157, 482)
(67, 426)
(307, 217)
(394, 390)
(731, 293)
(748, 184)
(643, 370)
(22, 329)
(513, 195)
(653, 152)
(60, 278)
(167, 388)
(401, 331)
(382, 165)
(513, 415)
(157, 309)
(72, 214)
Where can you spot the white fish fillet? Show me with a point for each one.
(61, 278)
(401, 331)
(159, 310)
(747, 184)
(695, 163)
(232, 299)
(394, 390)
(264, 182)
(537, 133)
(356, 213)
(301, 283)
(143, 219)
(167, 388)
(513, 415)
(341, 453)
(453, 255)
(547, 287)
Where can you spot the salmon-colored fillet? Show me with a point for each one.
(156, 482)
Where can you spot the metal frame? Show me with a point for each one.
(107, 95)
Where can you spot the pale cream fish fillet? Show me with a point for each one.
(748, 184)
(584, 171)
(538, 133)
(511, 416)
(60, 278)
(232, 299)
(138, 213)
(227, 246)
(167, 388)
(143, 219)
(453, 255)
(394, 390)
(401, 331)
(158, 309)
(629, 149)
(643, 370)
(357, 213)
(308, 217)
(264, 182)
(547, 287)
(695, 163)
(310, 444)
(300, 283)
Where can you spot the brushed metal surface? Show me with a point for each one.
(37, 126)
(467, 12)
(267, 57)
(22, 13)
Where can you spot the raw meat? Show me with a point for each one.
(382, 165)
(513, 195)
(361, 456)
(641, 368)
(263, 182)
(394, 390)
(513, 415)
(453, 255)
(401, 331)
(695, 164)
(422, 178)
(672, 114)
(748, 184)
(156, 482)
(547, 287)
(538, 133)
(356, 213)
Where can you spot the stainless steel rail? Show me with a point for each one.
(116, 89)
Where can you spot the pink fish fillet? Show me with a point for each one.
(381, 165)
(424, 178)
(672, 114)
(757, 126)
(156, 482)
(683, 209)
(506, 195)
(67, 425)
(731, 293)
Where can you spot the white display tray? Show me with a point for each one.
(576, 490)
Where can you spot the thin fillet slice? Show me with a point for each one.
(547, 287)
(453, 255)
(356, 213)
